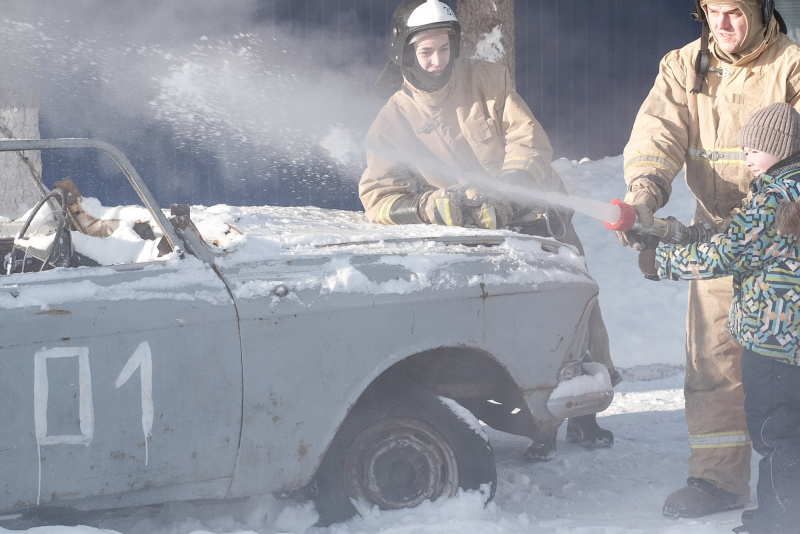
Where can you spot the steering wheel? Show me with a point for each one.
(59, 250)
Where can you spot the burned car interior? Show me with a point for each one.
(59, 232)
(45, 239)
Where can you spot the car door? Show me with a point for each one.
(119, 383)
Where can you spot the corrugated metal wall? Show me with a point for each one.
(790, 11)
(584, 67)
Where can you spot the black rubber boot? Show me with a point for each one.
(585, 431)
(700, 498)
(541, 451)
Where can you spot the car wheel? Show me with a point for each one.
(397, 453)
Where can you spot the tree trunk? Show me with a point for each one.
(487, 31)
(19, 108)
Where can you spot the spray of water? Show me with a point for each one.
(602, 211)
(526, 196)
(262, 95)
(256, 96)
(263, 100)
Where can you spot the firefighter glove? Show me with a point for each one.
(485, 211)
(493, 214)
(463, 205)
(442, 207)
(645, 205)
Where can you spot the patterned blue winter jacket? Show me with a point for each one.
(765, 313)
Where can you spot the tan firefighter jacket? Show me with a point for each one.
(675, 127)
(465, 133)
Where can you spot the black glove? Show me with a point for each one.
(647, 264)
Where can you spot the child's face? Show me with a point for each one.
(759, 162)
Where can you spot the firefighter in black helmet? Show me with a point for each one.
(454, 129)
(703, 95)
(411, 21)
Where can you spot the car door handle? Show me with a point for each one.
(14, 290)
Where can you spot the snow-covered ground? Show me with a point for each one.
(608, 491)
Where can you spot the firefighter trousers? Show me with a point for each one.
(715, 416)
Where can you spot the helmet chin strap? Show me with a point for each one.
(703, 61)
(424, 80)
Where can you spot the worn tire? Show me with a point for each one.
(396, 453)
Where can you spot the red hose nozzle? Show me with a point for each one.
(627, 217)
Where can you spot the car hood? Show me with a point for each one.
(340, 251)
(272, 232)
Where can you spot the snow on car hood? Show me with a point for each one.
(328, 251)
(348, 250)
(269, 232)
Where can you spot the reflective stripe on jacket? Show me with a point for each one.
(675, 127)
(467, 132)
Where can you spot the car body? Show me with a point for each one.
(232, 369)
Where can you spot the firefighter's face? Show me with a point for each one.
(729, 25)
(759, 162)
(433, 52)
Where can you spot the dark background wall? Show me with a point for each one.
(583, 66)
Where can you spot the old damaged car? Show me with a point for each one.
(219, 352)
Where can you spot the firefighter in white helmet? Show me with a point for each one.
(455, 127)
(703, 95)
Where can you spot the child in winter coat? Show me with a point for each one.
(761, 250)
